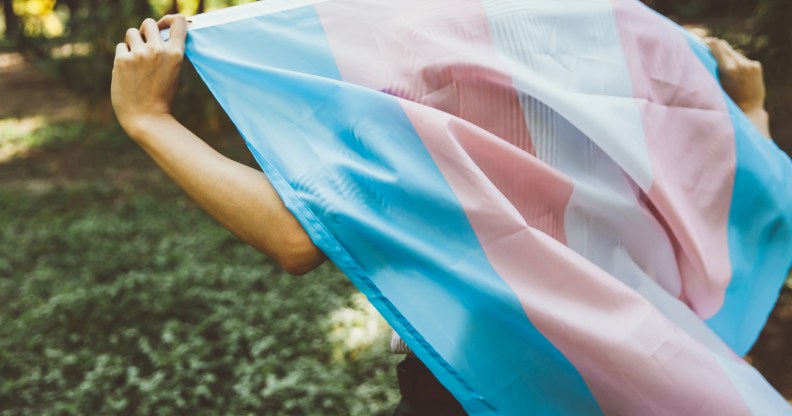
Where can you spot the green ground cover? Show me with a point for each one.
(119, 296)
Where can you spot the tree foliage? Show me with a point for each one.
(81, 53)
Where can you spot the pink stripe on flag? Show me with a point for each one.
(424, 66)
(691, 141)
(535, 194)
(630, 355)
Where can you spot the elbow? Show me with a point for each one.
(299, 255)
(287, 245)
(301, 266)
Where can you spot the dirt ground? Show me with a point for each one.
(26, 92)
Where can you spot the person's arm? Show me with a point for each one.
(242, 199)
(742, 79)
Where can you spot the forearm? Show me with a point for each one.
(145, 76)
(239, 197)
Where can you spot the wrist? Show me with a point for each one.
(140, 126)
(760, 119)
(752, 105)
(758, 116)
(758, 112)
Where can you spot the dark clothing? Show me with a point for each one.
(422, 394)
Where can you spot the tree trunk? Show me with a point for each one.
(201, 6)
(72, 6)
(174, 9)
(12, 28)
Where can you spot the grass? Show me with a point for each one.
(118, 295)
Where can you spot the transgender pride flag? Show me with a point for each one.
(552, 201)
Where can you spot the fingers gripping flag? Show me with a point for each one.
(552, 202)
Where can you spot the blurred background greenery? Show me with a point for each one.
(118, 295)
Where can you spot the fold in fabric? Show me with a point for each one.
(553, 203)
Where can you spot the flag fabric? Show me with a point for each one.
(554, 203)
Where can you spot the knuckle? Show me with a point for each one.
(141, 56)
(156, 48)
(121, 63)
(175, 53)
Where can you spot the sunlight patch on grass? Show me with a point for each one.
(356, 327)
(21, 135)
(15, 134)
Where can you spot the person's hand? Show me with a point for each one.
(146, 71)
(741, 77)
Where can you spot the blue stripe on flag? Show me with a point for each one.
(760, 227)
(351, 167)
